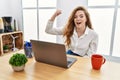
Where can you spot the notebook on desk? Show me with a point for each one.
(51, 53)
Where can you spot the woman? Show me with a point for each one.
(80, 38)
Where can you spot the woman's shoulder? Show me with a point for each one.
(93, 32)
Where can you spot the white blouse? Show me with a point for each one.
(83, 45)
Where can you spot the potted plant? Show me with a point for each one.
(18, 61)
(5, 48)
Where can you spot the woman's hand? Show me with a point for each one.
(57, 12)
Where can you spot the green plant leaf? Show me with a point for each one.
(18, 59)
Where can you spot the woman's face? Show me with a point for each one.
(80, 19)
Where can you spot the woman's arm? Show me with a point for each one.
(57, 13)
(93, 46)
(49, 27)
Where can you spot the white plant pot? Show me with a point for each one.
(5, 51)
(18, 68)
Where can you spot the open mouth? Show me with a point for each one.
(78, 23)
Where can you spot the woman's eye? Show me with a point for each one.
(81, 16)
(75, 17)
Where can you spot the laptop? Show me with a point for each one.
(51, 53)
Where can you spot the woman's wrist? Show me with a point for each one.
(53, 18)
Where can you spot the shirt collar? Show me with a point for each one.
(85, 33)
(86, 30)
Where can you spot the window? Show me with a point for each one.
(101, 2)
(29, 3)
(47, 3)
(35, 16)
(116, 46)
(30, 24)
(105, 16)
(43, 16)
(119, 2)
(100, 18)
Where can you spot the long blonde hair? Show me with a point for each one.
(69, 28)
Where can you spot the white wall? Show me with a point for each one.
(12, 8)
(67, 6)
(16, 10)
(4, 5)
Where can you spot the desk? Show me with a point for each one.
(80, 70)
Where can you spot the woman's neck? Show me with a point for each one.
(80, 31)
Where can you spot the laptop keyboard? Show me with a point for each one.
(68, 62)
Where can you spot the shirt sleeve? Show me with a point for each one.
(93, 46)
(53, 30)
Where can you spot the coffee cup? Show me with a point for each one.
(97, 61)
